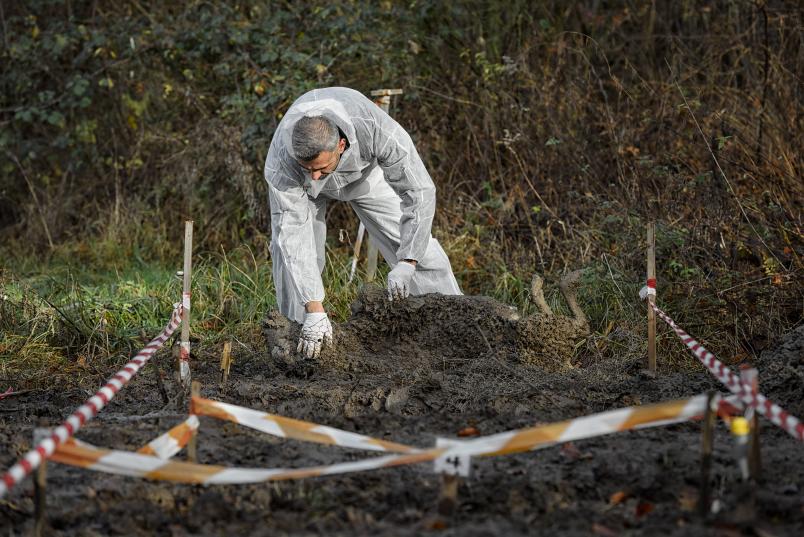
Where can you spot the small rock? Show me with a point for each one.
(397, 399)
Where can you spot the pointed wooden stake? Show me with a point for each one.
(750, 376)
(651, 299)
(192, 445)
(40, 486)
(448, 497)
(704, 502)
(184, 349)
(226, 363)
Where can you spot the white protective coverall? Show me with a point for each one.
(382, 177)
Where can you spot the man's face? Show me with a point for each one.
(325, 163)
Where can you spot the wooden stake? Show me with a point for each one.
(383, 100)
(651, 313)
(750, 376)
(192, 445)
(361, 231)
(371, 260)
(40, 486)
(226, 362)
(159, 382)
(708, 426)
(448, 497)
(184, 351)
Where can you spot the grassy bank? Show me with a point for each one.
(554, 132)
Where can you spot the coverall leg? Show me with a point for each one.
(288, 298)
(379, 210)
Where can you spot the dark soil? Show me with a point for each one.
(411, 372)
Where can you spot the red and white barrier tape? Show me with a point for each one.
(776, 414)
(649, 289)
(184, 345)
(87, 411)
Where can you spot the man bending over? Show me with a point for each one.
(335, 144)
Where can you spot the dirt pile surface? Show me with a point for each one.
(409, 372)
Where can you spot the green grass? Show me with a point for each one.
(87, 308)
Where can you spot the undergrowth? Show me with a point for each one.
(553, 132)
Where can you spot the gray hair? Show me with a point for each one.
(312, 135)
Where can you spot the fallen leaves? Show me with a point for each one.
(469, 431)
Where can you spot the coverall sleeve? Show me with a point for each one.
(296, 273)
(405, 173)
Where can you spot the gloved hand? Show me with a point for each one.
(399, 280)
(315, 331)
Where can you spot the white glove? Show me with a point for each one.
(315, 331)
(399, 280)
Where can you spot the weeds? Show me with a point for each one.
(553, 136)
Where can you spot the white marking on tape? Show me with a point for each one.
(452, 462)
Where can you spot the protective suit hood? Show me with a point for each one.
(329, 108)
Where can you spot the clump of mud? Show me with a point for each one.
(430, 329)
(782, 372)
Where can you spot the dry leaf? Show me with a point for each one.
(469, 431)
(643, 508)
(570, 451)
(618, 497)
(688, 499)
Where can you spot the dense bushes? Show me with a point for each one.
(536, 121)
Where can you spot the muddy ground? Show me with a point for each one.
(410, 372)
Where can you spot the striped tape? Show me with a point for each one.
(170, 443)
(604, 423)
(776, 414)
(87, 411)
(82, 455)
(149, 467)
(291, 428)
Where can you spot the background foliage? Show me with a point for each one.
(553, 130)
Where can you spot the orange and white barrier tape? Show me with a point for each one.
(291, 428)
(88, 410)
(453, 453)
(604, 423)
(170, 443)
(149, 467)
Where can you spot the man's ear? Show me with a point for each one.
(341, 146)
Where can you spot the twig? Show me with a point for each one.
(35, 198)
(606, 259)
(5, 26)
(717, 164)
(5, 395)
(151, 416)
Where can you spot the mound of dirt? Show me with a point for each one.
(410, 372)
(782, 372)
